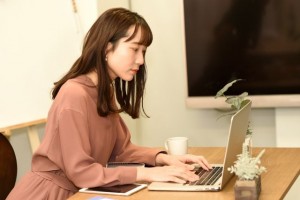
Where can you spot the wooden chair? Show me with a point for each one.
(8, 167)
(31, 132)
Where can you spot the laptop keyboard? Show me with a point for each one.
(207, 177)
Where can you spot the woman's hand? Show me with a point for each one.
(178, 169)
(183, 160)
(177, 174)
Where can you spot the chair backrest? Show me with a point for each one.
(8, 167)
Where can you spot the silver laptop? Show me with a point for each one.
(215, 179)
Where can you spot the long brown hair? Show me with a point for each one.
(111, 26)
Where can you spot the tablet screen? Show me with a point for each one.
(117, 188)
(127, 189)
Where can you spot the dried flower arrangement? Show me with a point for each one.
(247, 167)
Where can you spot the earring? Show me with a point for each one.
(106, 58)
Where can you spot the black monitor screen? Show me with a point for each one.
(254, 40)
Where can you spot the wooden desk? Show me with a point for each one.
(283, 165)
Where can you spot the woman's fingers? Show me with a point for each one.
(183, 161)
(179, 174)
(205, 165)
(196, 160)
(187, 175)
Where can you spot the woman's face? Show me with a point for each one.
(127, 57)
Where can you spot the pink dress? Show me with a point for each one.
(76, 147)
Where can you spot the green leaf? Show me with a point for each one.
(236, 102)
(225, 88)
(244, 94)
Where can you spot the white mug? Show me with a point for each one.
(177, 145)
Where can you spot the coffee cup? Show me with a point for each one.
(177, 145)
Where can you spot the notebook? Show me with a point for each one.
(217, 181)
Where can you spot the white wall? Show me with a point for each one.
(39, 42)
(287, 127)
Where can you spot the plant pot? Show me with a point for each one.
(247, 189)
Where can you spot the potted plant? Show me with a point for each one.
(247, 168)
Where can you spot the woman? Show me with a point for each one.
(84, 130)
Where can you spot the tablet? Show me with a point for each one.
(124, 190)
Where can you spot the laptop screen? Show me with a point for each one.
(236, 137)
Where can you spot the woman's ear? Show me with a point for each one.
(108, 47)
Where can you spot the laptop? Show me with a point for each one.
(216, 179)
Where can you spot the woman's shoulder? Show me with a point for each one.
(80, 81)
(78, 86)
(72, 89)
(79, 89)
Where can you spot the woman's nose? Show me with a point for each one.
(140, 58)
